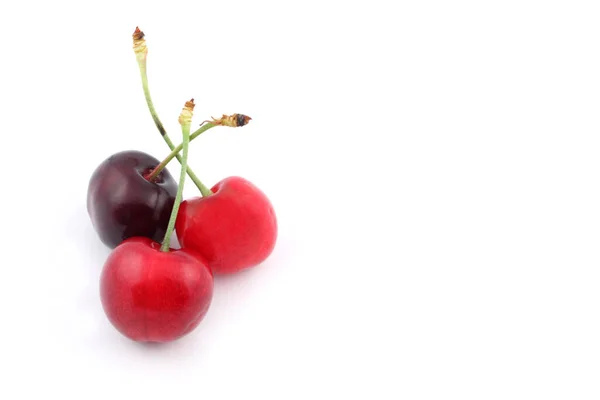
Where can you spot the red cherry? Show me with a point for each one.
(235, 228)
(154, 296)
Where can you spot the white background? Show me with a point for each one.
(433, 165)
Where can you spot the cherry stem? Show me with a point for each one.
(185, 120)
(141, 54)
(234, 120)
(175, 152)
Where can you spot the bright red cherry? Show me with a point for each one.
(151, 295)
(122, 203)
(235, 228)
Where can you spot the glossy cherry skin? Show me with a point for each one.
(122, 203)
(235, 228)
(154, 296)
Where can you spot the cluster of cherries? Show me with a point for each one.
(149, 291)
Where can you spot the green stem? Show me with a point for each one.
(141, 59)
(185, 130)
(157, 122)
(175, 153)
(204, 191)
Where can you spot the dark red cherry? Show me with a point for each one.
(122, 203)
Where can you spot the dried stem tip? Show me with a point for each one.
(233, 120)
(139, 43)
(186, 114)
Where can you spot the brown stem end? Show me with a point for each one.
(186, 113)
(139, 43)
(233, 120)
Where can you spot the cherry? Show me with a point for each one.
(122, 203)
(154, 296)
(235, 228)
